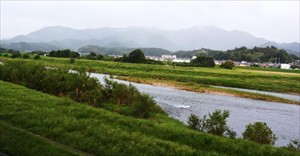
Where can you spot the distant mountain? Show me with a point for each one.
(133, 37)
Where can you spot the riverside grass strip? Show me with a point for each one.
(100, 132)
(16, 141)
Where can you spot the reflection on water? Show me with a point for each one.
(282, 118)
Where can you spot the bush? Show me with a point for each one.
(294, 145)
(80, 87)
(15, 54)
(72, 60)
(259, 132)
(194, 122)
(215, 123)
(227, 65)
(203, 61)
(136, 56)
(36, 57)
(25, 56)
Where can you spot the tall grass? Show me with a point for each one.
(101, 132)
(275, 80)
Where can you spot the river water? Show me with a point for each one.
(281, 95)
(283, 119)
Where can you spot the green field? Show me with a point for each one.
(193, 78)
(97, 131)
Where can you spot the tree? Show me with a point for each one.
(260, 133)
(294, 145)
(203, 61)
(36, 57)
(194, 122)
(25, 56)
(227, 65)
(215, 123)
(72, 60)
(136, 56)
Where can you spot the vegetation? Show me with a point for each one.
(100, 132)
(279, 80)
(227, 65)
(94, 56)
(136, 56)
(15, 141)
(250, 78)
(294, 145)
(260, 133)
(203, 61)
(25, 56)
(64, 53)
(215, 123)
(122, 51)
(79, 87)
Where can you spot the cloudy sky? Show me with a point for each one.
(273, 20)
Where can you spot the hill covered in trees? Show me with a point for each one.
(256, 54)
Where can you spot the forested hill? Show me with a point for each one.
(121, 51)
(256, 54)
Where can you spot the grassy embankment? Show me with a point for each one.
(100, 132)
(196, 78)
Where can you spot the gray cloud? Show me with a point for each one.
(273, 20)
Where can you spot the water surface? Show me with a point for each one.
(283, 119)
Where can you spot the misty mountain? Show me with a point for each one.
(196, 37)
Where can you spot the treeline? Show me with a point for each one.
(136, 56)
(64, 53)
(122, 51)
(80, 87)
(268, 54)
(17, 54)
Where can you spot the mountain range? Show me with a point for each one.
(58, 37)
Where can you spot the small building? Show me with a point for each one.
(285, 66)
(168, 57)
(181, 60)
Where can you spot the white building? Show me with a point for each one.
(168, 57)
(285, 66)
(181, 60)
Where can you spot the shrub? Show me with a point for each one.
(72, 60)
(15, 54)
(203, 61)
(215, 123)
(227, 65)
(36, 57)
(136, 56)
(25, 56)
(194, 122)
(260, 133)
(294, 145)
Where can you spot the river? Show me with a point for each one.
(283, 119)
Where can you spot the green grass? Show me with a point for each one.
(14, 141)
(274, 80)
(100, 132)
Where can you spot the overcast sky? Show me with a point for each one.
(273, 20)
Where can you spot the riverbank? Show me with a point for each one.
(208, 89)
(98, 131)
(179, 104)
